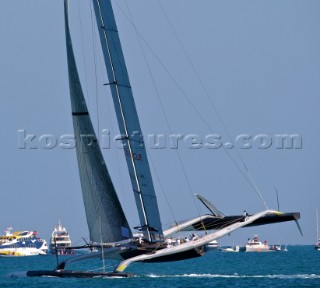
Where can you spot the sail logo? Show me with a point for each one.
(134, 156)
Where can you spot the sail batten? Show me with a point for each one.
(128, 121)
(105, 217)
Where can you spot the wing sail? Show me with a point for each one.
(128, 121)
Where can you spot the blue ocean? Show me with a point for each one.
(299, 267)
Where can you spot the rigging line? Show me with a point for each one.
(162, 189)
(155, 87)
(84, 57)
(99, 269)
(210, 100)
(161, 104)
(277, 197)
(94, 47)
(107, 103)
(117, 156)
(105, 257)
(102, 251)
(193, 107)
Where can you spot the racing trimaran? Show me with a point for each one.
(108, 227)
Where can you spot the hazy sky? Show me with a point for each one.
(259, 62)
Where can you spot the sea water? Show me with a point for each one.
(299, 267)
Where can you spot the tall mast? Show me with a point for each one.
(128, 122)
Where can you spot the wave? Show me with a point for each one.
(235, 275)
(194, 275)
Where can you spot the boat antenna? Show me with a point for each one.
(277, 198)
(317, 214)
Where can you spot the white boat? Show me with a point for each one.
(255, 245)
(231, 249)
(21, 243)
(109, 229)
(213, 246)
(60, 241)
(276, 248)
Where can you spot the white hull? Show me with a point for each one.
(212, 246)
(263, 248)
(229, 249)
(20, 252)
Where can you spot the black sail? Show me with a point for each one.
(105, 217)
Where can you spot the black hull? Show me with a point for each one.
(219, 223)
(193, 253)
(76, 274)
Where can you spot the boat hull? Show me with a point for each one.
(193, 253)
(76, 274)
(21, 243)
(20, 252)
(258, 249)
